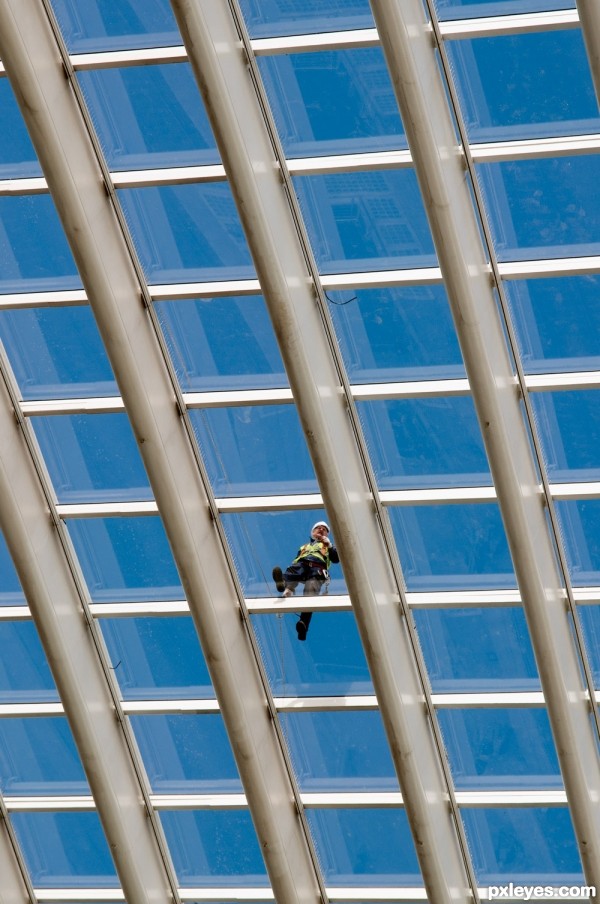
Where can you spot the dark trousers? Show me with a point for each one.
(302, 573)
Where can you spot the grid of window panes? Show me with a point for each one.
(524, 85)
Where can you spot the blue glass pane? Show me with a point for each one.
(365, 221)
(330, 662)
(589, 619)
(569, 426)
(519, 86)
(256, 450)
(213, 848)
(339, 751)
(187, 232)
(149, 116)
(89, 25)
(425, 442)
(500, 748)
(365, 847)
(459, 9)
(65, 850)
(186, 754)
(38, 757)
(17, 156)
(450, 547)
(260, 540)
(24, 671)
(125, 559)
(536, 846)
(11, 593)
(396, 334)
(221, 343)
(282, 17)
(30, 224)
(56, 353)
(580, 529)
(336, 102)
(557, 323)
(543, 208)
(157, 658)
(92, 457)
(477, 649)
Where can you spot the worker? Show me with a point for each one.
(311, 568)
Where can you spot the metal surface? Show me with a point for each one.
(406, 38)
(589, 19)
(254, 165)
(36, 64)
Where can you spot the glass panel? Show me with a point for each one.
(589, 619)
(543, 208)
(30, 223)
(24, 672)
(149, 116)
(65, 850)
(89, 25)
(260, 540)
(282, 17)
(536, 846)
(38, 757)
(11, 593)
(459, 9)
(580, 529)
(450, 547)
(425, 442)
(396, 334)
(557, 323)
(366, 221)
(525, 85)
(500, 748)
(365, 847)
(331, 662)
(475, 650)
(339, 751)
(221, 343)
(125, 559)
(157, 658)
(187, 754)
(56, 353)
(335, 102)
(569, 426)
(214, 848)
(92, 458)
(17, 156)
(255, 450)
(187, 232)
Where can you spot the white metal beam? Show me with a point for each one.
(589, 18)
(422, 99)
(15, 884)
(36, 61)
(254, 164)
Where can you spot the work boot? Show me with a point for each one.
(301, 630)
(278, 578)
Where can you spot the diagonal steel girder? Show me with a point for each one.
(589, 19)
(15, 883)
(219, 51)
(406, 37)
(32, 56)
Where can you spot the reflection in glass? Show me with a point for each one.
(149, 116)
(92, 458)
(589, 619)
(221, 343)
(459, 9)
(282, 17)
(450, 547)
(533, 846)
(477, 649)
(500, 748)
(11, 593)
(17, 157)
(580, 529)
(333, 102)
(89, 25)
(569, 427)
(38, 757)
(157, 658)
(125, 559)
(24, 672)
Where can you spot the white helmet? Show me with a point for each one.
(319, 524)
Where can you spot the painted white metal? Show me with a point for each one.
(174, 175)
(415, 389)
(567, 145)
(26, 710)
(269, 503)
(253, 162)
(29, 186)
(106, 509)
(143, 56)
(441, 496)
(556, 382)
(422, 276)
(363, 37)
(237, 398)
(486, 26)
(15, 884)
(46, 407)
(558, 266)
(349, 163)
(205, 289)
(80, 186)
(43, 299)
(589, 17)
(423, 102)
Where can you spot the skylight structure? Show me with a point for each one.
(266, 262)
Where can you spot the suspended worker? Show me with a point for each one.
(311, 568)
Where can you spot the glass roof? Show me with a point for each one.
(364, 221)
